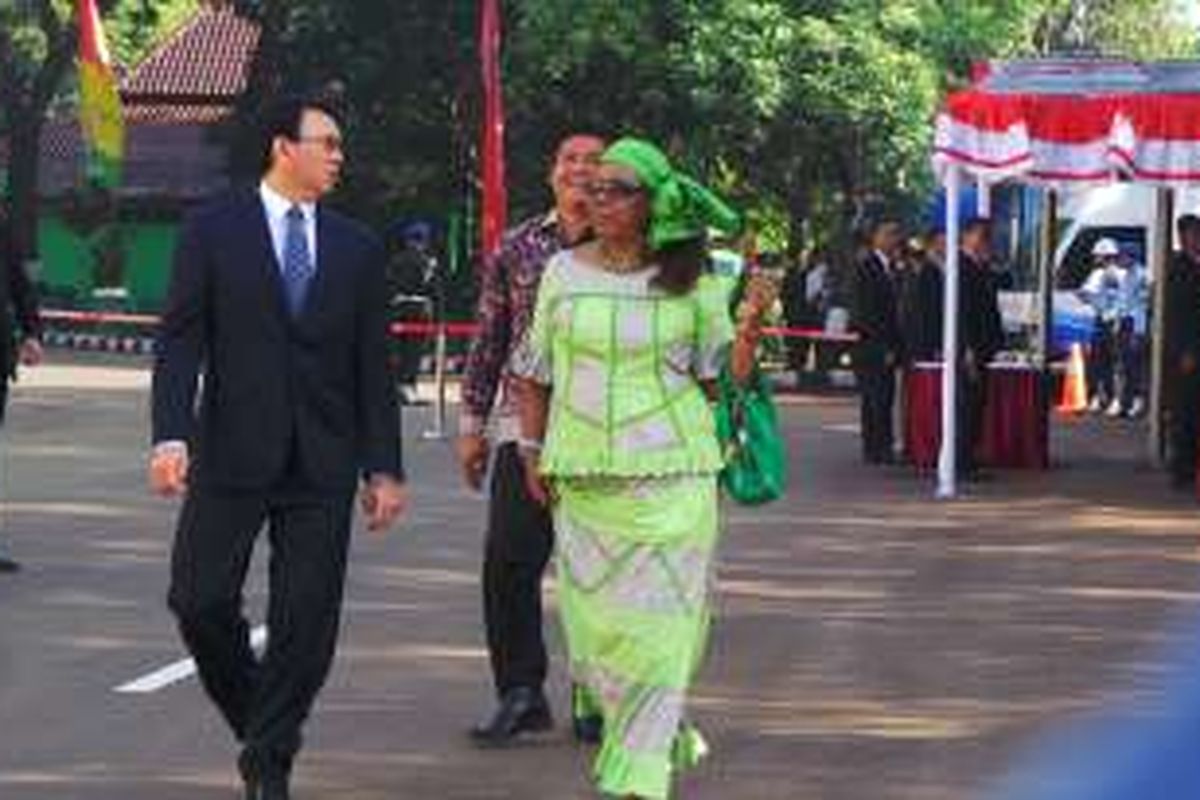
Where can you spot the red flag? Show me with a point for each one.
(495, 195)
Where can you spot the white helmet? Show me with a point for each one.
(1106, 248)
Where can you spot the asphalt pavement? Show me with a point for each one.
(871, 643)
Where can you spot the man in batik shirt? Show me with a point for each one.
(519, 531)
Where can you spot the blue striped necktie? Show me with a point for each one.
(297, 261)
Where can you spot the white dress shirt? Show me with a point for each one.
(277, 206)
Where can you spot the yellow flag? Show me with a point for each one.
(99, 103)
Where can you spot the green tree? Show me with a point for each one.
(37, 51)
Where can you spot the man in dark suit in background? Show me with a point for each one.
(1182, 356)
(981, 336)
(875, 318)
(18, 302)
(281, 303)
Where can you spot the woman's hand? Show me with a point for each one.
(536, 484)
(760, 295)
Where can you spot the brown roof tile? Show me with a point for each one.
(207, 57)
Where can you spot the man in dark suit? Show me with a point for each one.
(1182, 357)
(875, 318)
(981, 336)
(18, 301)
(921, 301)
(281, 302)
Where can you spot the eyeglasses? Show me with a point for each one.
(604, 191)
(329, 143)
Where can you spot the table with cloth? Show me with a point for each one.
(1015, 424)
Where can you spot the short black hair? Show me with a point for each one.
(1188, 223)
(882, 223)
(283, 117)
(975, 223)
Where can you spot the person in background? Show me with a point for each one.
(1133, 341)
(20, 329)
(797, 313)
(874, 316)
(520, 533)
(921, 300)
(412, 271)
(981, 336)
(1104, 291)
(1182, 351)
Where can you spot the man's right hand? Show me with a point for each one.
(1187, 363)
(168, 471)
(473, 450)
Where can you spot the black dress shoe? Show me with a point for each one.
(521, 710)
(589, 729)
(8, 565)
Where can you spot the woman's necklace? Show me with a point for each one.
(620, 263)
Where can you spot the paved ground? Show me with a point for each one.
(872, 644)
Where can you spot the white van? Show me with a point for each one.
(1123, 212)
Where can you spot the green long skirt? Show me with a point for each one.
(635, 569)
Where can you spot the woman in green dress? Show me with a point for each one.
(629, 335)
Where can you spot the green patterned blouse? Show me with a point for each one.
(624, 361)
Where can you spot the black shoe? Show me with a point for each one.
(521, 710)
(589, 729)
(8, 565)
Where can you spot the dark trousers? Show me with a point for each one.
(520, 537)
(1185, 409)
(264, 701)
(1133, 348)
(1102, 363)
(877, 396)
(972, 399)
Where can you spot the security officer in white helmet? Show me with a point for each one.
(1104, 291)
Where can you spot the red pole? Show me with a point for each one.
(495, 196)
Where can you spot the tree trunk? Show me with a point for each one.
(24, 151)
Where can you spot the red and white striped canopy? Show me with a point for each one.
(1068, 121)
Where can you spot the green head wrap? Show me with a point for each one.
(680, 207)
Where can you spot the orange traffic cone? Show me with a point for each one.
(1074, 387)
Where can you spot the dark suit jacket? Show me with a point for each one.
(18, 303)
(313, 393)
(874, 314)
(921, 311)
(1182, 321)
(981, 330)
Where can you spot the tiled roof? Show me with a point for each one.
(207, 57)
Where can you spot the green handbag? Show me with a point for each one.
(755, 457)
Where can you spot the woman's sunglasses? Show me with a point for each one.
(613, 189)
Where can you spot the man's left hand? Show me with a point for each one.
(31, 352)
(384, 499)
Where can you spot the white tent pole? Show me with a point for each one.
(1160, 246)
(946, 463)
(983, 197)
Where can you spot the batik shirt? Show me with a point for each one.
(506, 300)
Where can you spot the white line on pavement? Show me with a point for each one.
(179, 671)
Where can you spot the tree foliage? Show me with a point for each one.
(811, 113)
